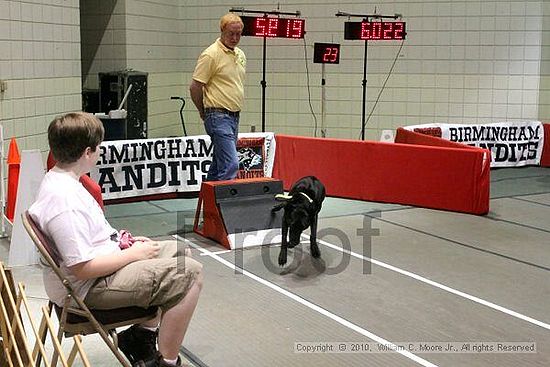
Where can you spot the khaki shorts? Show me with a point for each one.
(162, 282)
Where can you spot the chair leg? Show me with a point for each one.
(103, 334)
(114, 337)
(113, 345)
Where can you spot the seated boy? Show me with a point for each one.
(149, 273)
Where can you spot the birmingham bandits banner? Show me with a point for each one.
(510, 143)
(251, 155)
(128, 168)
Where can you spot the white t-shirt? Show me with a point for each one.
(74, 221)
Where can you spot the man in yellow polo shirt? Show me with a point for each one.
(217, 90)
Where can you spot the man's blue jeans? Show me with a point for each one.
(223, 130)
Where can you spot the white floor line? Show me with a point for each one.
(312, 306)
(215, 253)
(226, 251)
(439, 285)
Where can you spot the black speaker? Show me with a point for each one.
(90, 100)
(113, 86)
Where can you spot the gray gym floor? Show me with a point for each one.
(389, 275)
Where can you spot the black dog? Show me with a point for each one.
(302, 206)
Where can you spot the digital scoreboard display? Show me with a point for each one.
(274, 27)
(326, 53)
(374, 31)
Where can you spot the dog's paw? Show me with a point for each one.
(282, 258)
(315, 252)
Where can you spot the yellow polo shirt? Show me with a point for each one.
(222, 72)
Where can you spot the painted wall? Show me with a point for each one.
(544, 94)
(143, 36)
(463, 61)
(40, 62)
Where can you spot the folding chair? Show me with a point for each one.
(81, 320)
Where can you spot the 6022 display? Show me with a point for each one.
(274, 27)
(374, 31)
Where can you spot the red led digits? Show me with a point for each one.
(326, 53)
(297, 28)
(335, 52)
(259, 27)
(387, 31)
(382, 30)
(273, 27)
(374, 31)
(266, 27)
(330, 55)
(399, 31)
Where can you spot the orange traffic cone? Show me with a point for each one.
(14, 162)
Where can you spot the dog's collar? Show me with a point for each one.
(307, 197)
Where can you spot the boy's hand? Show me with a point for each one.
(142, 238)
(144, 250)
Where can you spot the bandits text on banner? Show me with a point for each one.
(129, 168)
(510, 143)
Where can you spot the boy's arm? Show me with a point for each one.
(108, 264)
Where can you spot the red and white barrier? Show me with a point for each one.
(444, 177)
(545, 159)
